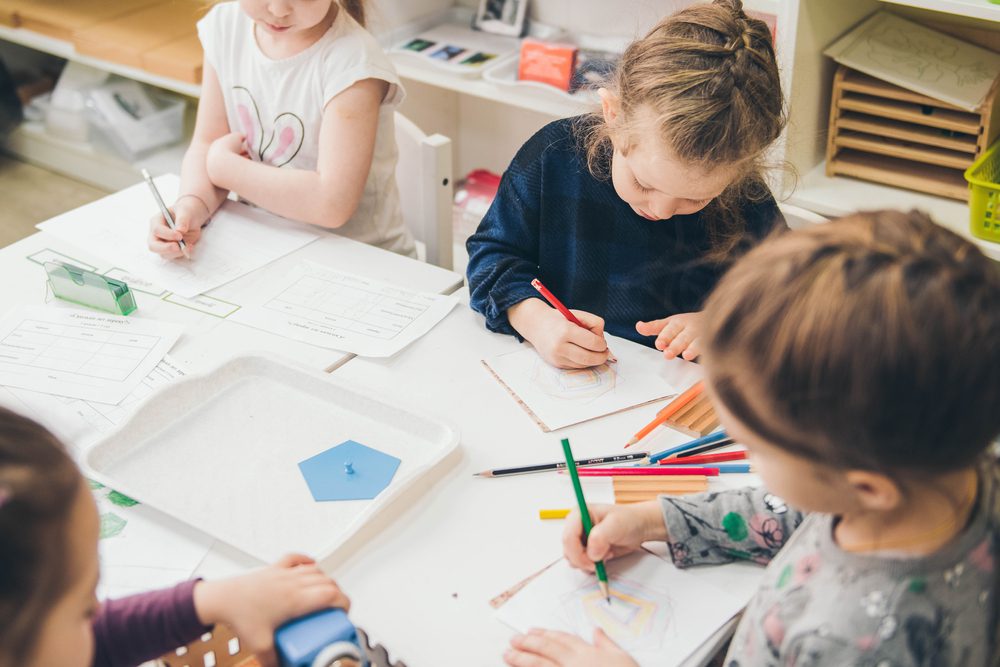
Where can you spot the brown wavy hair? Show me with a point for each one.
(39, 484)
(356, 8)
(871, 342)
(709, 75)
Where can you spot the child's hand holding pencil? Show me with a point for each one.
(618, 530)
(558, 341)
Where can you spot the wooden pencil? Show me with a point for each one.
(644, 471)
(666, 413)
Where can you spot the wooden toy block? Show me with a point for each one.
(696, 419)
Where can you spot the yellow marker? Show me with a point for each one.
(553, 514)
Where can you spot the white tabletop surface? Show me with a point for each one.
(420, 576)
(422, 581)
(208, 339)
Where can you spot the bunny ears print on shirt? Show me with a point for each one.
(284, 140)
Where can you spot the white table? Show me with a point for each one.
(423, 579)
(208, 338)
(422, 574)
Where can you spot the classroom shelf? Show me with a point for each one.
(84, 162)
(527, 98)
(837, 196)
(64, 49)
(976, 9)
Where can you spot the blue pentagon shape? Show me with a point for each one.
(328, 479)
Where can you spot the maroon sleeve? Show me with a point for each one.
(139, 628)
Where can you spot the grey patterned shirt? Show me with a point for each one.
(821, 606)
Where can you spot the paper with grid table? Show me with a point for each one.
(80, 354)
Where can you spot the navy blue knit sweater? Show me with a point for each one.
(554, 221)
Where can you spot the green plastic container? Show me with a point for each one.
(984, 198)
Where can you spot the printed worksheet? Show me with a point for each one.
(80, 354)
(344, 311)
(557, 397)
(657, 613)
(238, 240)
(81, 422)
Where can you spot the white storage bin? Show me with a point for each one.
(135, 119)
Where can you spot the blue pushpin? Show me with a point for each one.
(349, 468)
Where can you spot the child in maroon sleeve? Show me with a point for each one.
(49, 614)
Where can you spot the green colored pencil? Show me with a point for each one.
(602, 575)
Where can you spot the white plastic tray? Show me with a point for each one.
(220, 452)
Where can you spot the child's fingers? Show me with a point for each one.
(593, 322)
(651, 328)
(291, 560)
(321, 596)
(516, 658)
(693, 350)
(668, 334)
(575, 356)
(166, 249)
(601, 640)
(546, 644)
(572, 540)
(678, 344)
(586, 339)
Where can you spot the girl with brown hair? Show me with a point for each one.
(632, 214)
(859, 363)
(49, 613)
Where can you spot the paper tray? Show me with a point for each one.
(220, 452)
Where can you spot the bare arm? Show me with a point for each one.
(198, 198)
(328, 196)
(210, 124)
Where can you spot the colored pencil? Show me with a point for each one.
(558, 305)
(705, 458)
(669, 411)
(553, 514)
(710, 438)
(602, 574)
(730, 468)
(643, 471)
(705, 449)
(545, 467)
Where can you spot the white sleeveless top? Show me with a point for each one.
(278, 105)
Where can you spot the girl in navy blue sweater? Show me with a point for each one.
(631, 215)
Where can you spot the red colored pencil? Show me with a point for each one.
(558, 305)
(647, 470)
(706, 458)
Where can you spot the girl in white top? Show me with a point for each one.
(296, 116)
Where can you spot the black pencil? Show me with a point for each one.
(704, 449)
(545, 467)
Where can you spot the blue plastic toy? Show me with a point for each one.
(321, 639)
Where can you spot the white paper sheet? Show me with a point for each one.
(80, 354)
(658, 614)
(920, 59)
(238, 240)
(85, 421)
(142, 549)
(344, 311)
(557, 398)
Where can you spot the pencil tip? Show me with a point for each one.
(632, 442)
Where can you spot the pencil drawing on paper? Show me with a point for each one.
(923, 54)
(633, 618)
(575, 384)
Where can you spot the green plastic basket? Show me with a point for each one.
(984, 199)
